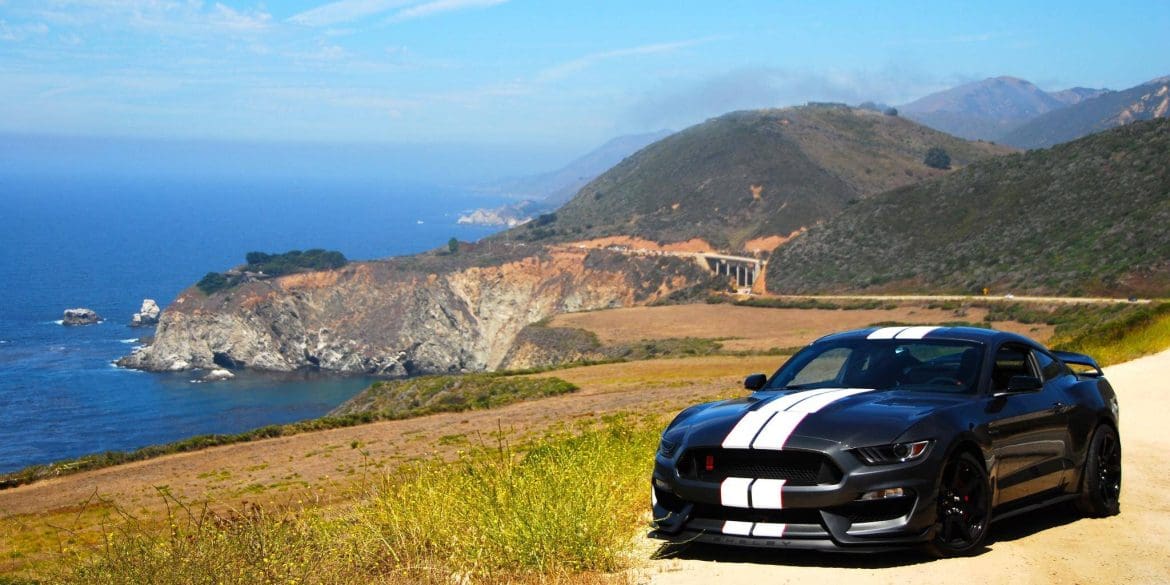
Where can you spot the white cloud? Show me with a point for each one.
(344, 11)
(19, 32)
(441, 6)
(226, 17)
(188, 18)
(681, 102)
(567, 68)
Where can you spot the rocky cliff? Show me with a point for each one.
(422, 314)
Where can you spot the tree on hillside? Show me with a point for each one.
(937, 158)
(453, 245)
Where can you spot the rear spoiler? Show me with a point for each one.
(1080, 359)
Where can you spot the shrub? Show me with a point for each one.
(937, 158)
(212, 282)
(294, 261)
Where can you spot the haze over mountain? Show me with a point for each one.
(753, 174)
(1086, 217)
(987, 109)
(1143, 102)
(556, 187)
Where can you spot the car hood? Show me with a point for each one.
(775, 420)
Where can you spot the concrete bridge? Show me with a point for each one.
(748, 272)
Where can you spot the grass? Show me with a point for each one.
(566, 505)
(1134, 334)
(448, 393)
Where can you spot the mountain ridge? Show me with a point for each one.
(1101, 112)
(989, 108)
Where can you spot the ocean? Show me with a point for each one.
(107, 243)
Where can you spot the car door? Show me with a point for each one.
(1028, 429)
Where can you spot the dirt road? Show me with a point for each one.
(1049, 546)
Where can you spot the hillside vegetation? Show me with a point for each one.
(1086, 217)
(430, 394)
(751, 174)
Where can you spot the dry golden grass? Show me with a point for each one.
(756, 329)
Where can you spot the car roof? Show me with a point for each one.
(905, 332)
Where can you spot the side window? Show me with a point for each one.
(1010, 360)
(1050, 368)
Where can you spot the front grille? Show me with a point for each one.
(785, 516)
(874, 510)
(798, 468)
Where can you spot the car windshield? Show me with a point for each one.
(912, 365)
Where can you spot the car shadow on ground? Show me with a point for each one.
(1026, 525)
(1004, 531)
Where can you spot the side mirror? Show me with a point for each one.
(1023, 384)
(755, 381)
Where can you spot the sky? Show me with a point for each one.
(532, 81)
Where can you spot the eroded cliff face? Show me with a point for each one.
(396, 317)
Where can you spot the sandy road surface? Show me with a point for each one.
(1048, 546)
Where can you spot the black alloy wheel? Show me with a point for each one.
(964, 508)
(1101, 483)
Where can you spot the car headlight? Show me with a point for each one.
(896, 453)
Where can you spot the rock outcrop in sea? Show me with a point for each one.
(147, 315)
(80, 316)
(420, 314)
(217, 375)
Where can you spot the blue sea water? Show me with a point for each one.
(108, 242)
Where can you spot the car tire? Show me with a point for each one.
(964, 508)
(1101, 475)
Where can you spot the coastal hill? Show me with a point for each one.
(1109, 110)
(441, 311)
(1086, 217)
(750, 175)
(988, 109)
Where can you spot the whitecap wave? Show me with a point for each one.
(130, 340)
(59, 321)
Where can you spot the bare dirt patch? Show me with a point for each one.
(770, 243)
(753, 328)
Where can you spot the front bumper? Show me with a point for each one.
(818, 517)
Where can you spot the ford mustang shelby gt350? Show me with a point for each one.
(890, 437)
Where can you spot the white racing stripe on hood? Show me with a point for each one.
(745, 431)
(776, 432)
